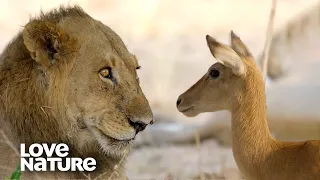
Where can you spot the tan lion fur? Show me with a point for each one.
(51, 91)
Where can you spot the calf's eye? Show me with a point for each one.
(214, 73)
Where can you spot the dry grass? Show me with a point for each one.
(115, 168)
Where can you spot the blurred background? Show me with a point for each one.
(168, 38)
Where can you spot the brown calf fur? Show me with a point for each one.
(235, 84)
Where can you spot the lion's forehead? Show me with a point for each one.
(129, 60)
(99, 42)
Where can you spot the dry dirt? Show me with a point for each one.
(168, 38)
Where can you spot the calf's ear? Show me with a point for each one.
(226, 56)
(238, 46)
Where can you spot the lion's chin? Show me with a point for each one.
(111, 146)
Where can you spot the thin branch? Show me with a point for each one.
(197, 137)
(42, 108)
(268, 39)
(87, 176)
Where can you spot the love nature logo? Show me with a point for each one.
(40, 158)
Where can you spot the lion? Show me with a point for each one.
(68, 78)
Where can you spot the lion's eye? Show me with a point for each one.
(214, 73)
(106, 73)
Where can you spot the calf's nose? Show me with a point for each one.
(178, 101)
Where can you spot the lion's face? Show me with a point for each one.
(106, 96)
(100, 88)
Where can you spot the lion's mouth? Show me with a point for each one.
(111, 146)
(114, 139)
(111, 139)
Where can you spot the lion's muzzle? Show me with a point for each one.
(139, 125)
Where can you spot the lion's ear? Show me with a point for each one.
(46, 42)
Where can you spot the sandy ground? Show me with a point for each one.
(183, 162)
(168, 37)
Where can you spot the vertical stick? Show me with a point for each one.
(268, 39)
(197, 137)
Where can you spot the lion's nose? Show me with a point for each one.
(137, 125)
